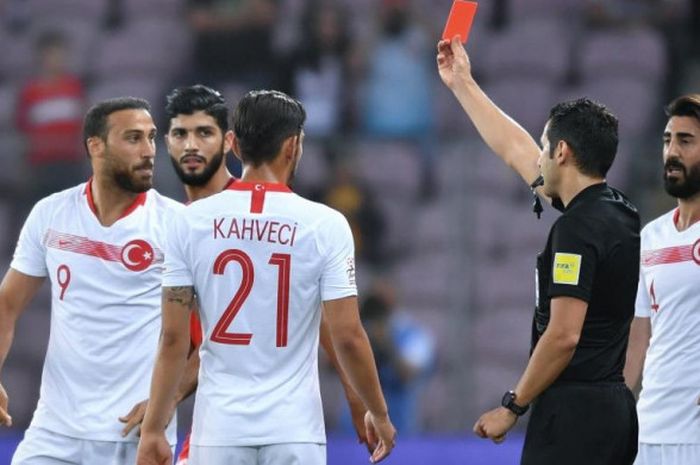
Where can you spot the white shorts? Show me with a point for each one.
(274, 454)
(44, 447)
(668, 454)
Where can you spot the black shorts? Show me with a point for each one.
(582, 423)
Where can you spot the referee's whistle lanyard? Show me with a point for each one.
(536, 202)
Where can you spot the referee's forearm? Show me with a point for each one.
(551, 356)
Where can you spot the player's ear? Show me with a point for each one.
(290, 148)
(167, 141)
(228, 141)
(235, 145)
(95, 146)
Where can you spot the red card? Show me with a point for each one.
(459, 22)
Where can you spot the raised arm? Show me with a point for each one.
(504, 136)
(357, 361)
(16, 291)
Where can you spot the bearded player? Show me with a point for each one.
(262, 263)
(100, 244)
(665, 333)
(198, 140)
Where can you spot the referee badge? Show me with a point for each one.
(566, 269)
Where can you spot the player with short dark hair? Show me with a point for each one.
(263, 263)
(266, 261)
(198, 141)
(100, 245)
(665, 333)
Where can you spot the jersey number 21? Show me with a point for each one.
(284, 263)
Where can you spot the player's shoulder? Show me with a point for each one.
(54, 201)
(312, 212)
(659, 224)
(161, 202)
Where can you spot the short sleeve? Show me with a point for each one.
(574, 259)
(177, 272)
(30, 253)
(338, 274)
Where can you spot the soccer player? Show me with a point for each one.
(198, 141)
(261, 261)
(666, 327)
(100, 244)
(586, 281)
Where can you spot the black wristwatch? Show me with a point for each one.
(508, 402)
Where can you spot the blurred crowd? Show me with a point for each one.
(387, 146)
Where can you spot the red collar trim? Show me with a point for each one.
(230, 181)
(238, 185)
(677, 215)
(138, 201)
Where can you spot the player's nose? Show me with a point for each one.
(190, 142)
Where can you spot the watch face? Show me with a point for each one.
(508, 399)
(508, 402)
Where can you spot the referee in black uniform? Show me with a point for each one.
(582, 412)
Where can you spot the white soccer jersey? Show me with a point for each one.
(261, 259)
(105, 308)
(669, 294)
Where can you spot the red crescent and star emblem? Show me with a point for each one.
(137, 255)
(696, 251)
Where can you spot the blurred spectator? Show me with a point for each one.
(404, 353)
(354, 201)
(233, 41)
(317, 70)
(114, 14)
(49, 116)
(618, 13)
(397, 93)
(15, 14)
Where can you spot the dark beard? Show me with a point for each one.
(688, 186)
(129, 183)
(201, 179)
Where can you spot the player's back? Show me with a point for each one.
(261, 259)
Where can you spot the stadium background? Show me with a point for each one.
(434, 212)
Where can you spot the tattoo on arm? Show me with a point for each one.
(181, 295)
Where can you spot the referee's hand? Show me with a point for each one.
(495, 424)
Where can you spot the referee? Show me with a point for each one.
(582, 412)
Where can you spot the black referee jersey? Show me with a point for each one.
(588, 415)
